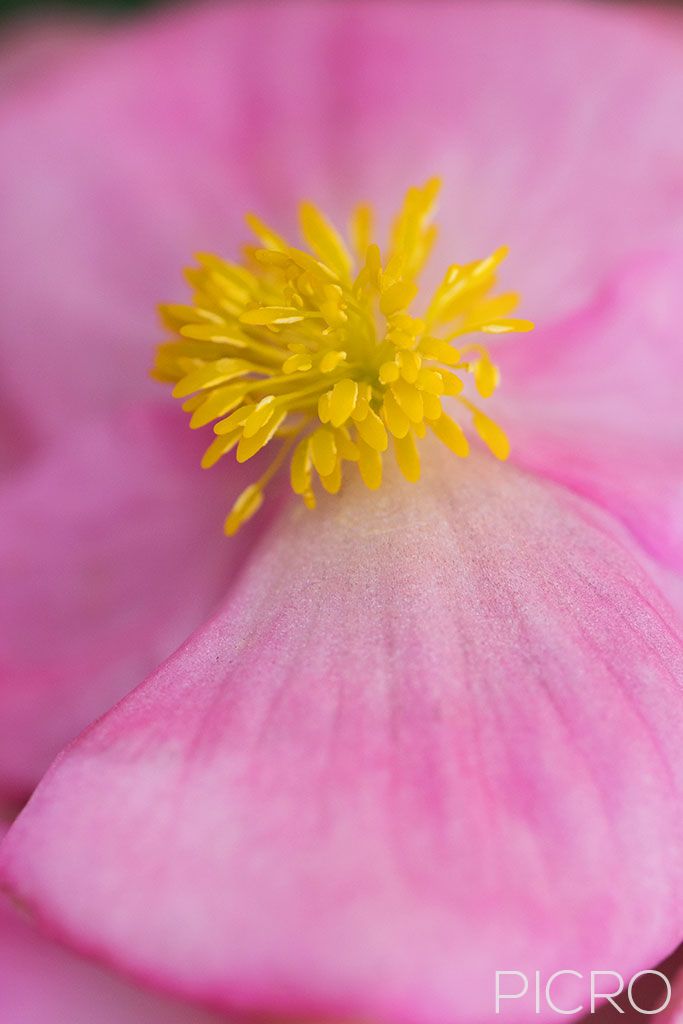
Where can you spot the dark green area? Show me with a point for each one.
(32, 7)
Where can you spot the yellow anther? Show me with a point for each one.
(297, 363)
(266, 235)
(432, 406)
(491, 434)
(236, 419)
(362, 409)
(396, 420)
(389, 372)
(345, 446)
(410, 364)
(219, 447)
(329, 358)
(372, 431)
(506, 326)
(343, 399)
(361, 229)
(209, 375)
(407, 457)
(250, 445)
(217, 403)
(261, 415)
(300, 467)
(397, 296)
(486, 377)
(441, 351)
(430, 381)
(324, 451)
(333, 481)
(370, 465)
(325, 240)
(324, 411)
(247, 505)
(409, 399)
(451, 433)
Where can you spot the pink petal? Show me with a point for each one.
(432, 734)
(648, 992)
(111, 553)
(41, 983)
(155, 147)
(593, 402)
(35, 49)
(674, 1013)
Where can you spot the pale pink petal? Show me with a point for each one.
(110, 181)
(432, 734)
(593, 401)
(41, 983)
(111, 553)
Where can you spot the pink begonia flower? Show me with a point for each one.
(435, 731)
(42, 983)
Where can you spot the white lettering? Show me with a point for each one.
(667, 985)
(548, 997)
(606, 995)
(510, 995)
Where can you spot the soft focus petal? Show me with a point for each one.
(34, 50)
(155, 149)
(674, 1014)
(41, 983)
(433, 734)
(111, 553)
(648, 992)
(593, 401)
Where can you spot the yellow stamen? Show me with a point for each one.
(325, 355)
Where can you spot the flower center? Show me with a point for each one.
(318, 353)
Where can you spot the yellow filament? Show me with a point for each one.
(320, 351)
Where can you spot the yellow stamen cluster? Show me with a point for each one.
(318, 352)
